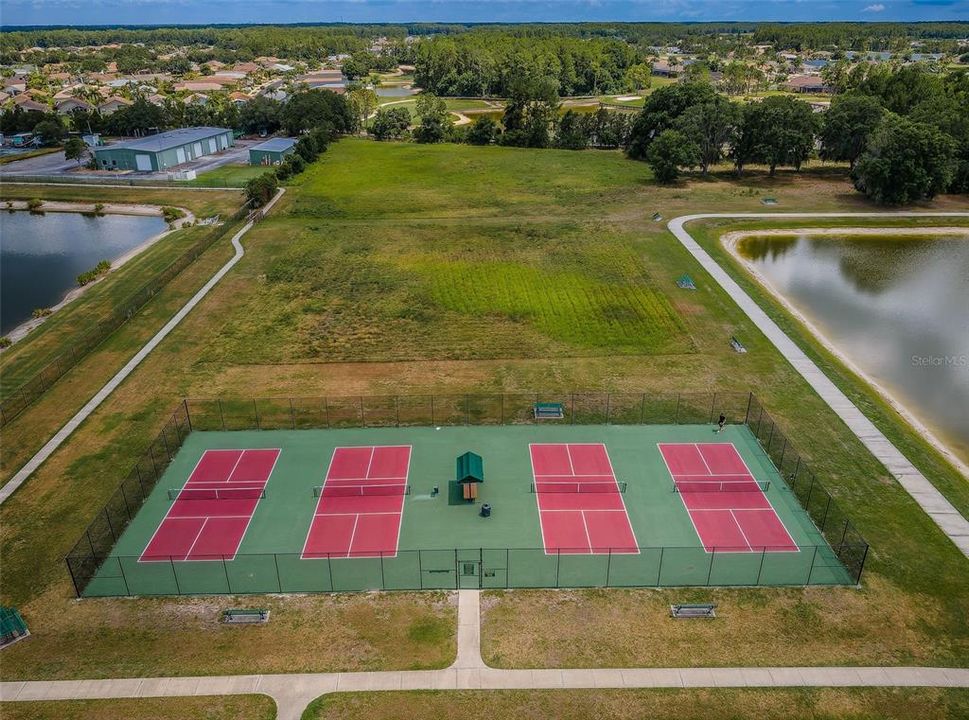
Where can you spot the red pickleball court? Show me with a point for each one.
(580, 506)
(211, 513)
(727, 506)
(361, 503)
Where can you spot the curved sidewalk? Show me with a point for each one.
(945, 515)
(101, 395)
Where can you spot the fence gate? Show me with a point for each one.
(469, 568)
(494, 568)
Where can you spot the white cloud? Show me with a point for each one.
(877, 7)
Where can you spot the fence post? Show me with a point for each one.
(326, 411)
(750, 397)
(608, 407)
(279, 582)
(572, 411)
(70, 570)
(642, 410)
(608, 566)
(676, 413)
(710, 571)
(397, 410)
(420, 560)
(760, 570)
(107, 519)
(127, 590)
(780, 463)
(558, 565)
(467, 409)
(501, 407)
(168, 450)
(814, 559)
(225, 571)
(432, 415)
(124, 497)
(188, 417)
(255, 409)
(824, 518)
(222, 414)
(713, 406)
(292, 414)
(659, 569)
(363, 414)
(861, 565)
(171, 561)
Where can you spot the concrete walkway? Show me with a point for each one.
(931, 500)
(65, 432)
(292, 693)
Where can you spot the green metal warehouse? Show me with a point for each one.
(165, 150)
(271, 152)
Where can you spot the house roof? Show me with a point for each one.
(115, 100)
(275, 145)
(168, 140)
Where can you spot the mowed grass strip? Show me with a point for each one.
(662, 704)
(407, 291)
(185, 636)
(232, 707)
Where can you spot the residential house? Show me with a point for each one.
(113, 104)
(807, 84)
(68, 105)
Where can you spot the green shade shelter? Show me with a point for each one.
(470, 468)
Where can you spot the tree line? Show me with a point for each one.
(905, 138)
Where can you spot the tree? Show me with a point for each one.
(261, 189)
(363, 102)
(638, 77)
(484, 131)
(312, 108)
(661, 111)
(75, 149)
(573, 132)
(670, 151)
(434, 125)
(710, 126)
(49, 132)
(390, 123)
(260, 115)
(904, 161)
(847, 125)
(778, 131)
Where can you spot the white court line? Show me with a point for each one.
(585, 526)
(197, 536)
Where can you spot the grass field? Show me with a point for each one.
(721, 704)
(227, 176)
(242, 707)
(261, 333)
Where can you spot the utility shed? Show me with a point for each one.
(272, 151)
(165, 150)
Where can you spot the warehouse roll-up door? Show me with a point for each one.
(197, 149)
(212, 147)
(143, 163)
(180, 155)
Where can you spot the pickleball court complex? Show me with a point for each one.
(356, 509)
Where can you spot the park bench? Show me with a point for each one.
(548, 411)
(470, 491)
(693, 610)
(245, 616)
(737, 345)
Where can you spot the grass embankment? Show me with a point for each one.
(14, 157)
(549, 227)
(59, 332)
(227, 176)
(691, 704)
(237, 707)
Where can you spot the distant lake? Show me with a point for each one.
(395, 91)
(897, 306)
(42, 255)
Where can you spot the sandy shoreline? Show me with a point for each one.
(19, 332)
(730, 241)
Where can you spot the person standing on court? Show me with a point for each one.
(721, 423)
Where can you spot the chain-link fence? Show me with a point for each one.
(20, 398)
(95, 571)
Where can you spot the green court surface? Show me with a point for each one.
(446, 543)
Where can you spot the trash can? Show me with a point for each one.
(486, 510)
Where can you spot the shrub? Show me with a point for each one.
(261, 189)
(5, 342)
(35, 204)
(171, 214)
(91, 275)
(41, 312)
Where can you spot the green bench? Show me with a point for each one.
(245, 616)
(693, 610)
(549, 411)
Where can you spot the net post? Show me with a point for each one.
(188, 417)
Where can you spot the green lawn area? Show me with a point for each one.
(400, 268)
(227, 176)
(240, 707)
(705, 704)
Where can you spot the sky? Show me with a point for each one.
(164, 12)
